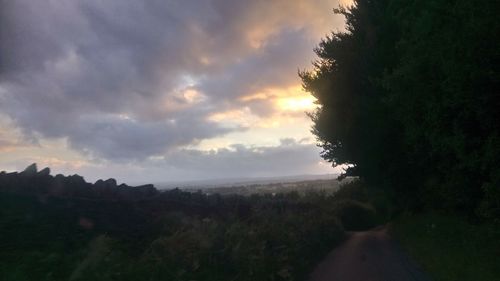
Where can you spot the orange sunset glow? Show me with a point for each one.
(215, 76)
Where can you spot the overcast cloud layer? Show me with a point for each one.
(143, 82)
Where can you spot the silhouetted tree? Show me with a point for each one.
(409, 98)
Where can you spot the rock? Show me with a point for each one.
(31, 170)
(58, 185)
(107, 184)
(147, 190)
(99, 183)
(110, 182)
(146, 186)
(44, 172)
(76, 180)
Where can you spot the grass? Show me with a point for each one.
(450, 248)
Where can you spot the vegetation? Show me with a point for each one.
(409, 102)
(449, 247)
(328, 186)
(63, 228)
(409, 99)
(355, 215)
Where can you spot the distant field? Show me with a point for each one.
(327, 186)
(228, 182)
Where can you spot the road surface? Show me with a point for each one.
(368, 256)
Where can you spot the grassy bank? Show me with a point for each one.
(450, 248)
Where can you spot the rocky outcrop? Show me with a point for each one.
(99, 184)
(31, 170)
(110, 183)
(44, 172)
(30, 181)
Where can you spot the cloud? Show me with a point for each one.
(128, 80)
(124, 138)
(290, 157)
(11, 139)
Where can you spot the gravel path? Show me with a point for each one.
(368, 256)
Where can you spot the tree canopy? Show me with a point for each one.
(409, 98)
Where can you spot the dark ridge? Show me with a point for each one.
(32, 181)
(146, 198)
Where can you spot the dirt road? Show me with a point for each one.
(368, 256)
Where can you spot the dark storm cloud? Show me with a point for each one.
(109, 75)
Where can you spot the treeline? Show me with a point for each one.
(410, 100)
(63, 228)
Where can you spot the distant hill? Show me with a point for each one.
(230, 182)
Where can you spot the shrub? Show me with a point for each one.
(355, 216)
(354, 190)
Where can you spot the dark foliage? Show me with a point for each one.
(355, 216)
(409, 97)
(63, 228)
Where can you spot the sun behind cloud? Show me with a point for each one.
(292, 98)
(117, 84)
(296, 103)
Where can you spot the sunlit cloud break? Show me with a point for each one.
(126, 82)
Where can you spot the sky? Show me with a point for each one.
(160, 90)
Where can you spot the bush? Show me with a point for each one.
(355, 216)
(378, 199)
(176, 236)
(354, 190)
